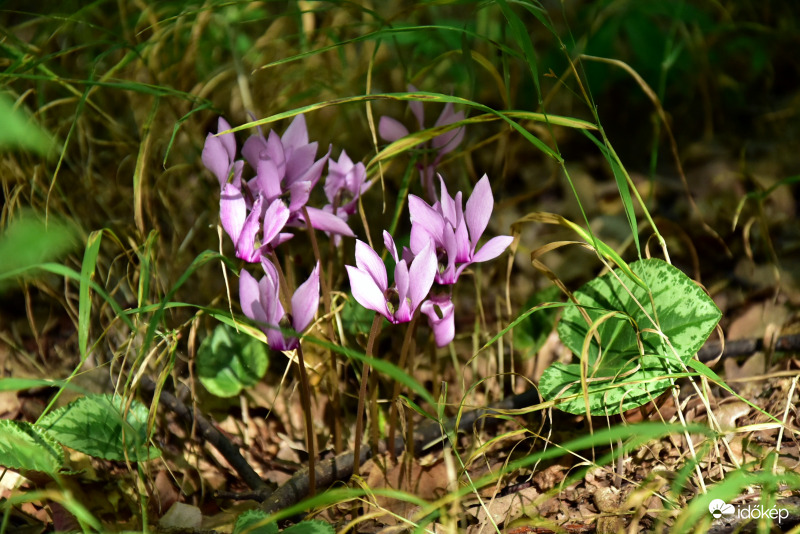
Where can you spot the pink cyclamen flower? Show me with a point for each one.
(455, 232)
(345, 183)
(370, 286)
(441, 317)
(391, 130)
(261, 302)
(219, 153)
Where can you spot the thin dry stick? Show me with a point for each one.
(362, 393)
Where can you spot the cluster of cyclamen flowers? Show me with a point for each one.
(257, 213)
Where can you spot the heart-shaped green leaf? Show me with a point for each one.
(625, 375)
(104, 426)
(229, 361)
(29, 447)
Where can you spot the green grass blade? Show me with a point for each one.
(84, 297)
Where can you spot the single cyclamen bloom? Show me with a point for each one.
(391, 130)
(219, 153)
(441, 317)
(252, 238)
(260, 301)
(345, 183)
(455, 232)
(370, 285)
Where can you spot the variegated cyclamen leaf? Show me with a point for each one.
(672, 320)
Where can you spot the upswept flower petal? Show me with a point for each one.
(267, 180)
(388, 242)
(479, 209)
(245, 245)
(296, 134)
(305, 301)
(366, 291)
(250, 297)
(232, 211)
(328, 222)
(421, 274)
(448, 141)
(401, 281)
(275, 219)
(219, 152)
(416, 107)
(391, 129)
(426, 218)
(368, 261)
(492, 248)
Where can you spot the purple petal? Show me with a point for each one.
(268, 179)
(442, 322)
(366, 292)
(313, 173)
(426, 217)
(238, 167)
(232, 211)
(421, 274)
(252, 149)
(416, 107)
(228, 139)
(464, 249)
(275, 219)
(388, 242)
(298, 195)
(305, 301)
(328, 222)
(403, 312)
(274, 150)
(245, 245)
(451, 249)
(296, 134)
(391, 130)
(250, 297)
(215, 158)
(492, 248)
(448, 141)
(479, 209)
(448, 204)
(301, 159)
(368, 261)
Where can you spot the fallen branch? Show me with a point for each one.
(428, 434)
(746, 347)
(213, 436)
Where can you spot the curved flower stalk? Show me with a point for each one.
(391, 130)
(260, 301)
(370, 286)
(455, 231)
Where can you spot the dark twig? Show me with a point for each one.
(341, 467)
(211, 435)
(746, 347)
